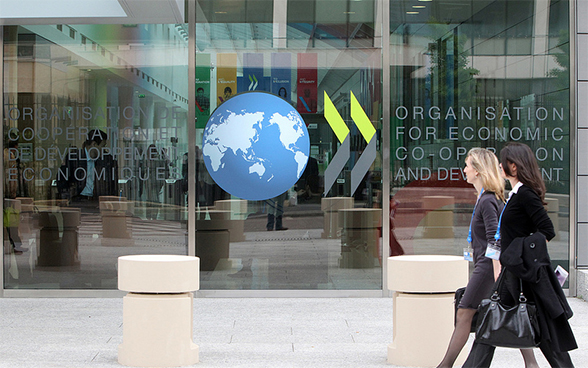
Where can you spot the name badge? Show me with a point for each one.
(468, 254)
(493, 250)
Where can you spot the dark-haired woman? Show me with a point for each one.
(524, 214)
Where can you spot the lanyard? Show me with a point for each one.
(497, 235)
(469, 238)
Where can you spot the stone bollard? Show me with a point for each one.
(424, 288)
(238, 209)
(439, 216)
(50, 203)
(331, 206)
(360, 237)
(114, 219)
(26, 215)
(212, 237)
(58, 237)
(157, 311)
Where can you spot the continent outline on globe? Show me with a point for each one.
(255, 145)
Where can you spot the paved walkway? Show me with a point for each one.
(231, 332)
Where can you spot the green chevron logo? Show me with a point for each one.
(254, 82)
(341, 130)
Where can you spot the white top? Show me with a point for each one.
(515, 189)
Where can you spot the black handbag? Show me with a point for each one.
(510, 327)
(458, 295)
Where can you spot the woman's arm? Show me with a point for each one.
(489, 211)
(497, 268)
(490, 216)
(537, 213)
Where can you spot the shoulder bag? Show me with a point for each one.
(510, 327)
(458, 295)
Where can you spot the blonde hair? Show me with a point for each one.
(485, 163)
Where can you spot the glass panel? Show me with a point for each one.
(332, 213)
(237, 11)
(489, 73)
(95, 139)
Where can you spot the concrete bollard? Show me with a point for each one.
(439, 216)
(114, 219)
(58, 237)
(157, 311)
(212, 237)
(360, 237)
(238, 209)
(331, 206)
(26, 215)
(424, 288)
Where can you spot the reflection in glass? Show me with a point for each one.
(325, 231)
(474, 74)
(95, 136)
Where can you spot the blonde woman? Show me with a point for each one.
(483, 172)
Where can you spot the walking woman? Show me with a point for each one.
(482, 171)
(524, 214)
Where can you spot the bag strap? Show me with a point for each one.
(496, 295)
(522, 297)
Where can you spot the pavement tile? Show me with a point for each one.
(231, 332)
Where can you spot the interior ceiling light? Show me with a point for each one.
(349, 12)
(425, 1)
(412, 12)
(419, 6)
(220, 12)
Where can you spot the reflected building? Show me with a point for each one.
(393, 94)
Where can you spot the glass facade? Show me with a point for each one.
(327, 65)
(95, 136)
(101, 159)
(475, 74)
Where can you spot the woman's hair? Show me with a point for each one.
(527, 168)
(486, 164)
(280, 92)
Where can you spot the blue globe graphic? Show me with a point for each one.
(255, 146)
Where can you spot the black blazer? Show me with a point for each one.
(524, 215)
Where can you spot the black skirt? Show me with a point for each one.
(479, 286)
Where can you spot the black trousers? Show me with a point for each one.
(481, 356)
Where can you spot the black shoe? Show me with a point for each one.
(281, 229)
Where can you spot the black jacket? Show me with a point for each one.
(527, 258)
